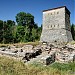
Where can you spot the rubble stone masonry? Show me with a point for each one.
(56, 25)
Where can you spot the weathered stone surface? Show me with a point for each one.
(45, 53)
(46, 60)
(56, 26)
(7, 53)
(27, 47)
(65, 54)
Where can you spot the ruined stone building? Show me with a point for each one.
(56, 25)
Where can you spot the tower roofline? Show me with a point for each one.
(57, 8)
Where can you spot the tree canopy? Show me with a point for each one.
(26, 29)
(73, 31)
(23, 19)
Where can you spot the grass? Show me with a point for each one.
(20, 44)
(72, 42)
(28, 43)
(9, 66)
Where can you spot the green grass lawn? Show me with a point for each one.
(12, 67)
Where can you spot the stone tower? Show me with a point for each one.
(56, 25)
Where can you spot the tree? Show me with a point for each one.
(34, 34)
(26, 20)
(26, 29)
(23, 19)
(4, 31)
(73, 31)
(39, 30)
(14, 33)
(7, 31)
(20, 34)
(35, 26)
(1, 31)
(30, 20)
(27, 36)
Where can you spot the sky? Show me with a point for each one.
(9, 8)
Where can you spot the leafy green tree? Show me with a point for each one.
(23, 19)
(14, 34)
(20, 34)
(1, 30)
(34, 34)
(39, 30)
(35, 26)
(7, 31)
(26, 29)
(4, 31)
(30, 20)
(26, 20)
(27, 34)
(73, 31)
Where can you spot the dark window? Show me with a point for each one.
(55, 41)
(51, 25)
(58, 25)
(57, 12)
(48, 26)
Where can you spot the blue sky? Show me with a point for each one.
(9, 8)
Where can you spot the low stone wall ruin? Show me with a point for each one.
(44, 53)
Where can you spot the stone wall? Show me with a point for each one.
(56, 26)
(44, 53)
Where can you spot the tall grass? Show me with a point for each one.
(9, 66)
